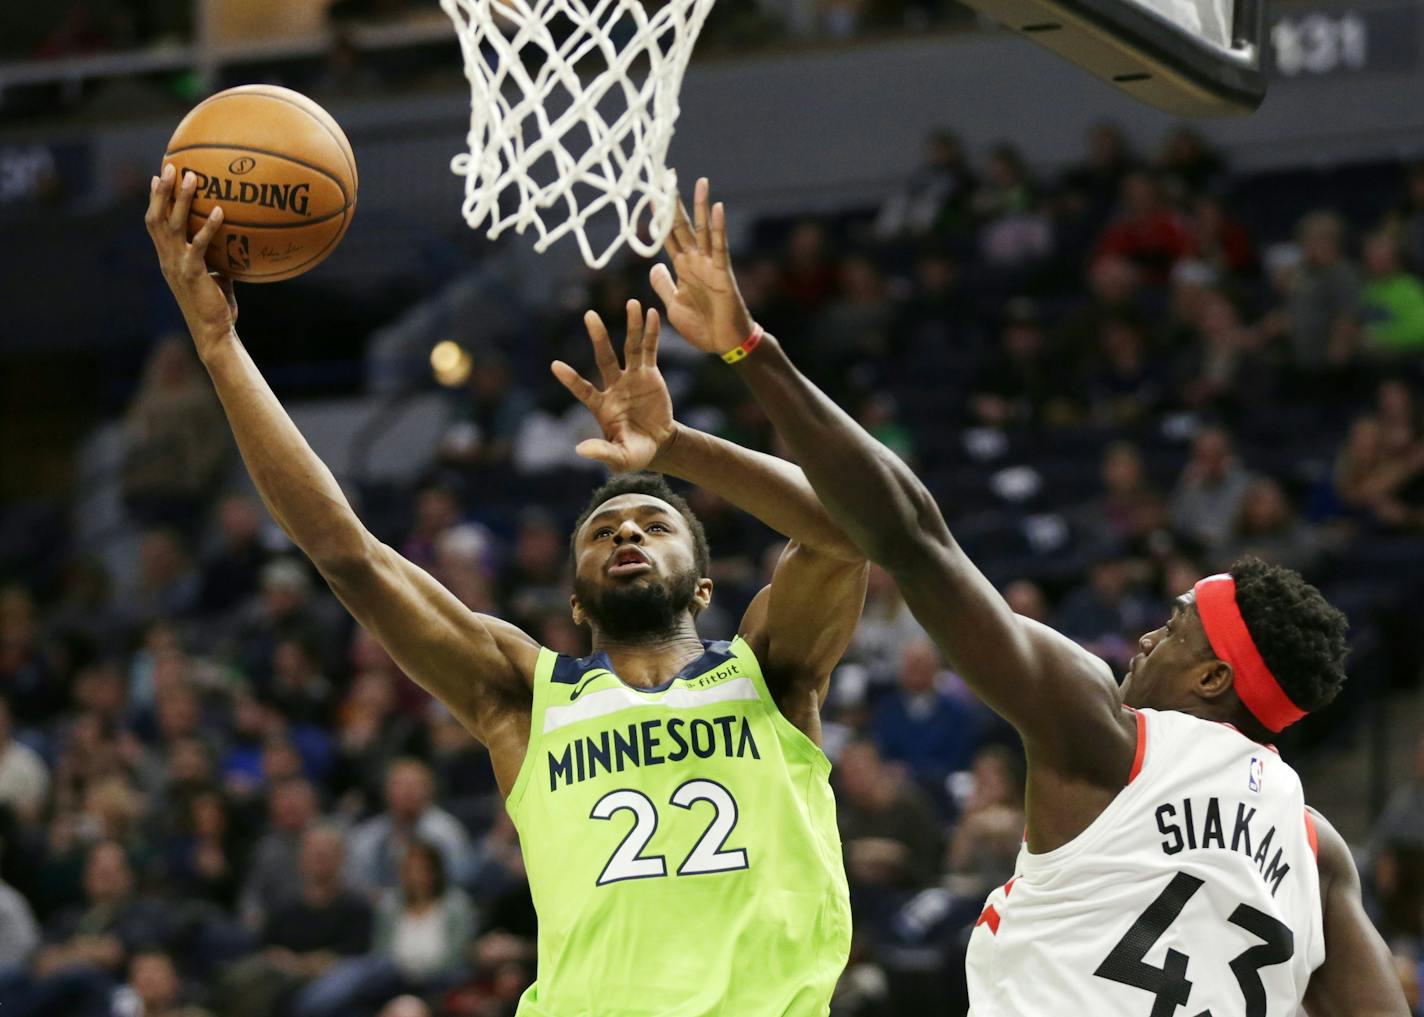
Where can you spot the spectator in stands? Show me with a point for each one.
(918, 725)
(891, 832)
(1125, 382)
(297, 687)
(1403, 819)
(1109, 158)
(1205, 503)
(486, 416)
(807, 279)
(1409, 216)
(207, 859)
(1219, 239)
(1108, 612)
(378, 845)
(1319, 319)
(28, 675)
(1015, 232)
(855, 326)
(989, 833)
(1023, 382)
(19, 932)
(1380, 472)
(87, 946)
(422, 930)
(1114, 291)
(176, 440)
(885, 625)
(230, 572)
(1392, 304)
(153, 989)
(287, 606)
(1147, 231)
(371, 733)
(1129, 510)
(24, 777)
(1188, 165)
(532, 582)
(304, 938)
(1027, 599)
(463, 565)
(936, 197)
(1267, 527)
(1221, 370)
(273, 873)
(437, 509)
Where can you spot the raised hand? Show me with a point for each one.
(205, 298)
(703, 302)
(633, 408)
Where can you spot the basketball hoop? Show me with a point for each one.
(572, 109)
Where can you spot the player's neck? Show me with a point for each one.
(650, 660)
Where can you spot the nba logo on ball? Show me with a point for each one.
(1258, 770)
(239, 257)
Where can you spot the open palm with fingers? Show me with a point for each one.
(633, 408)
(703, 302)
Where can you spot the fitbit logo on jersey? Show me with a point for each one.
(283, 197)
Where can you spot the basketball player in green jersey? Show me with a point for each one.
(671, 798)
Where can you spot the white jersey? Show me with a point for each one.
(1194, 894)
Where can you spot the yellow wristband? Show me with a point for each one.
(743, 351)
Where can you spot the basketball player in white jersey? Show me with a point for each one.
(1171, 866)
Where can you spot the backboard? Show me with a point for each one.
(1188, 57)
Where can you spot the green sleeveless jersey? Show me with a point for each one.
(681, 846)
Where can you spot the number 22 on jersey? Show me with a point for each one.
(707, 855)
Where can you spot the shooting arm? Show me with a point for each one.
(476, 665)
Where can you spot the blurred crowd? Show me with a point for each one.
(219, 796)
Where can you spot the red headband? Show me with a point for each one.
(1230, 640)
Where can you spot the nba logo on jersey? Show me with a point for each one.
(1258, 769)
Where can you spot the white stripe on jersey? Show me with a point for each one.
(1194, 892)
(621, 697)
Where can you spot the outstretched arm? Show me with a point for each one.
(799, 625)
(479, 667)
(1357, 978)
(1062, 699)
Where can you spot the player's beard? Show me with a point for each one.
(641, 611)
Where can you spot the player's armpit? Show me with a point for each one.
(480, 667)
(799, 627)
(1357, 978)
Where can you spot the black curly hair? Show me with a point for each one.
(654, 486)
(1299, 635)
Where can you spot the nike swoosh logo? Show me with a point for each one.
(578, 691)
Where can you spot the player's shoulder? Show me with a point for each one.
(1332, 853)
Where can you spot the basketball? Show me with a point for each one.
(283, 172)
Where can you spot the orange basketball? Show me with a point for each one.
(281, 169)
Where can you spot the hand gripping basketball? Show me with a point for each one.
(205, 298)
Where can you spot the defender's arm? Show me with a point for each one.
(1357, 978)
(1062, 700)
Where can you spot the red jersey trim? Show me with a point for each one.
(1310, 835)
(1141, 753)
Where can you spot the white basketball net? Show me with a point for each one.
(542, 127)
